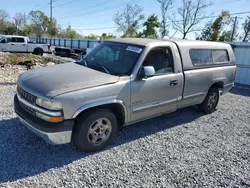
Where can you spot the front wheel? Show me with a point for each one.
(211, 101)
(95, 130)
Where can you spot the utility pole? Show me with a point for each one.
(234, 27)
(51, 1)
(24, 18)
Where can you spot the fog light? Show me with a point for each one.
(49, 118)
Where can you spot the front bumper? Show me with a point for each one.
(52, 133)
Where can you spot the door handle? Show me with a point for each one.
(12, 44)
(173, 82)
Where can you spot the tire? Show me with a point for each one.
(38, 51)
(211, 101)
(85, 134)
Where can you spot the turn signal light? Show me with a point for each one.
(51, 119)
(56, 119)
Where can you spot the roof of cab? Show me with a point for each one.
(135, 41)
(179, 42)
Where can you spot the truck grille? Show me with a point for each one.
(26, 96)
(28, 109)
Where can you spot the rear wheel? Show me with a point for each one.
(38, 51)
(211, 101)
(95, 130)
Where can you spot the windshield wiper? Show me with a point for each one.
(85, 62)
(82, 62)
(98, 65)
(104, 68)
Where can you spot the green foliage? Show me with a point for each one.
(218, 24)
(151, 24)
(225, 36)
(213, 31)
(91, 37)
(10, 29)
(102, 37)
(106, 36)
(71, 33)
(39, 22)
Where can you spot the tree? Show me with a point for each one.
(10, 29)
(4, 18)
(213, 31)
(71, 33)
(165, 5)
(19, 20)
(225, 36)
(39, 22)
(206, 32)
(53, 29)
(128, 21)
(218, 24)
(91, 36)
(246, 28)
(191, 13)
(106, 36)
(151, 24)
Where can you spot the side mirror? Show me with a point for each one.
(147, 71)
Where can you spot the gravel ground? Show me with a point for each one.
(181, 149)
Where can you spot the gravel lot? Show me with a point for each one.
(181, 149)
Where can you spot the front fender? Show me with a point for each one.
(100, 103)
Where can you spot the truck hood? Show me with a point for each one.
(54, 80)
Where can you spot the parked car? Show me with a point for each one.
(12, 43)
(122, 81)
(80, 51)
(63, 51)
(68, 52)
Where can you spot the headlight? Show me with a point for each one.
(51, 105)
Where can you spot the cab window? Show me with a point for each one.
(9, 39)
(161, 59)
(19, 40)
(3, 41)
(209, 56)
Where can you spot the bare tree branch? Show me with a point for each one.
(19, 19)
(191, 14)
(246, 28)
(165, 6)
(128, 20)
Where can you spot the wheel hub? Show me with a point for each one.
(212, 100)
(99, 131)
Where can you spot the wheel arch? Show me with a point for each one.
(218, 84)
(116, 106)
(38, 48)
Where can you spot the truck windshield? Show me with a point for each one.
(113, 58)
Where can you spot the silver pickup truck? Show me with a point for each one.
(122, 81)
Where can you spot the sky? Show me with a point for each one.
(96, 16)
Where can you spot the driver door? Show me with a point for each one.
(160, 93)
